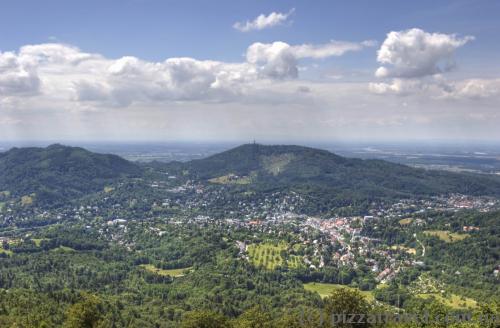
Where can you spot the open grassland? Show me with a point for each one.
(447, 236)
(270, 255)
(324, 289)
(170, 272)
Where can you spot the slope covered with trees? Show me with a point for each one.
(58, 173)
(328, 177)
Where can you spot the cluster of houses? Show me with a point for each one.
(267, 213)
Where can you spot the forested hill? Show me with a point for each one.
(59, 173)
(322, 172)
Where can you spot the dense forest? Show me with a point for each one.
(66, 277)
(59, 174)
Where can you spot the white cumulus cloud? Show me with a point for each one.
(262, 21)
(415, 53)
(17, 76)
(275, 60)
(279, 60)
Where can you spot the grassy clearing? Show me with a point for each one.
(452, 300)
(38, 241)
(2, 205)
(405, 221)
(447, 236)
(276, 163)
(5, 251)
(63, 249)
(26, 200)
(325, 290)
(231, 179)
(170, 272)
(408, 250)
(269, 255)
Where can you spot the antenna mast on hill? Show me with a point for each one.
(254, 150)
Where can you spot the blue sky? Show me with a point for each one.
(154, 31)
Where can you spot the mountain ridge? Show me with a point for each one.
(60, 173)
(319, 171)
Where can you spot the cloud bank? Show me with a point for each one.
(63, 70)
(57, 90)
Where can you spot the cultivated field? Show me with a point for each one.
(428, 287)
(270, 256)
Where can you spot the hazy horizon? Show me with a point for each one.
(355, 142)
